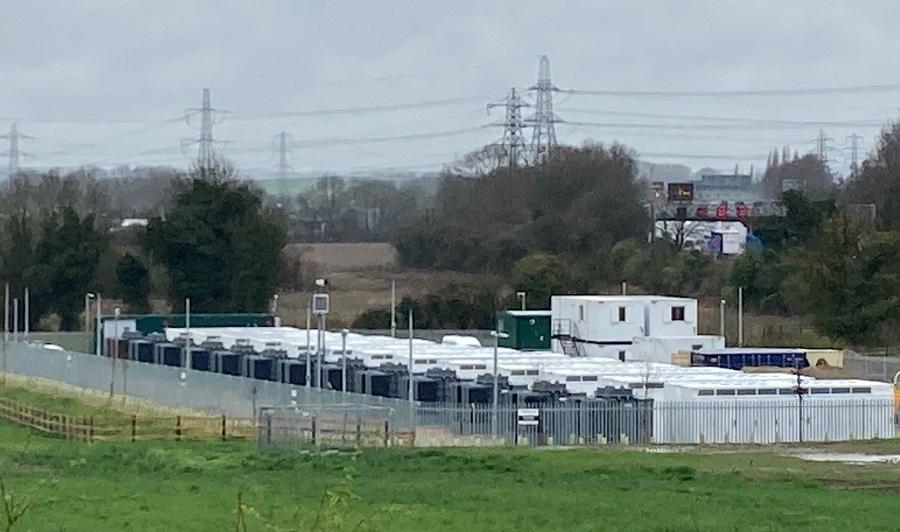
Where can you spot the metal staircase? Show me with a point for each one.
(566, 333)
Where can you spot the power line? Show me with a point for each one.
(731, 119)
(850, 89)
(363, 109)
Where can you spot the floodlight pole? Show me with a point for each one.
(722, 319)
(99, 333)
(27, 327)
(393, 309)
(496, 381)
(412, 389)
(740, 316)
(344, 362)
(15, 319)
(188, 355)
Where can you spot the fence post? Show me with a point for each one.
(91, 430)
(358, 431)
(387, 432)
(177, 428)
(269, 427)
(223, 427)
(313, 424)
(133, 427)
(65, 426)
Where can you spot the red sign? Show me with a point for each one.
(742, 210)
(722, 210)
(702, 212)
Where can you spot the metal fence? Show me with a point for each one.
(671, 422)
(876, 368)
(332, 425)
(212, 393)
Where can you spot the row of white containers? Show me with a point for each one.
(691, 405)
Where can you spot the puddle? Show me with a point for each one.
(850, 458)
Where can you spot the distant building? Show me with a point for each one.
(732, 188)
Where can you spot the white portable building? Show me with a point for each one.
(661, 348)
(605, 326)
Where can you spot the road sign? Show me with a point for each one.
(681, 192)
(529, 416)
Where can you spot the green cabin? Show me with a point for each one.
(527, 330)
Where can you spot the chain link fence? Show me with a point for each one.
(211, 393)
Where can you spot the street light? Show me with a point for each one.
(521, 295)
(497, 336)
(275, 304)
(87, 311)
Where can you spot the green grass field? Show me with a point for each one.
(195, 486)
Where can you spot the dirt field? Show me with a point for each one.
(359, 278)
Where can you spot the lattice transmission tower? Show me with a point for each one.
(206, 143)
(513, 146)
(543, 137)
(14, 153)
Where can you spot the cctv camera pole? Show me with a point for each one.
(6, 315)
(412, 388)
(308, 368)
(496, 381)
(87, 312)
(15, 319)
(27, 309)
(722, 319)
(99, 338)
(115, 353)
(343, 361)
(188, 355)
(393, 309)
(740, 316)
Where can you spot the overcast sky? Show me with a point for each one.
(108, 81)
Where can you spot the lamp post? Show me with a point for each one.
(497, 336)
(521, 296)
(722, 319)
(308, 346)
(27, 327)
(393, 309)
(99, 339)
(15, 319)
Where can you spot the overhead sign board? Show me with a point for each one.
(529, 416)
(681, 192)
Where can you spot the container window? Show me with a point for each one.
(785, 391)
(467, 366)
(589, 378)
(705, 393)
(480, 366)
(747, 391)
(655, 385)
(840, 390)
(580, 312)
(861, 390)
(573, 378)
(621, 314)
(820, 391)
(724, 392)
(677, 313)
(766, 391)
(518, 372)
(531, 372)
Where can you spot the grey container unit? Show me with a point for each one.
(169, 354)
(468, 393)
(201, 359)
(141, 351)
(373, 382)
(426, 389)
(396, 373)
(444, 379)
(259, 367)
(541, 392)
(228, 362)
(291, 371)
(621, 414)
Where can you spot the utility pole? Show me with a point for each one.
(284, 168)
(513, 145)
(13, 154)
(543, 137)
(854, 153)
(206, 153)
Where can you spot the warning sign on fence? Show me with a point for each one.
(529, 416)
